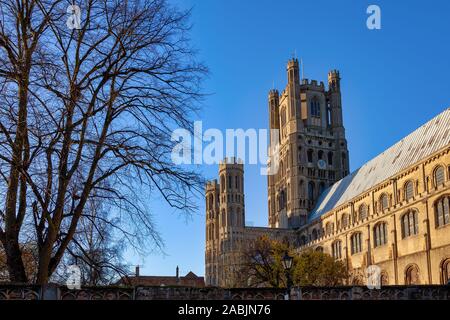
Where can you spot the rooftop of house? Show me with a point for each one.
(189, 280)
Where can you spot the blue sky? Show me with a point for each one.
(393, 80)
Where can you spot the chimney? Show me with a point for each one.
(178, 274)
(137, 271)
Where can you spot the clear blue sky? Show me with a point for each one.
(393, 80)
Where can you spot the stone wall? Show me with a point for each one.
(54, 292)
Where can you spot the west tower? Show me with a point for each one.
(313, 149)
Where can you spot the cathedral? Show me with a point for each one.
(393, 212)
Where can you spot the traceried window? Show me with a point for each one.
(409, 190)
(409, 224)
(442, 211)
(283, 116)
(439, 176)
(315, 107)
(384, 202)
(329, 228)
(282, 199)
(336, 249)
(344, 220)
(380, 234)
(311, 190)
(362, 212)
(356, 242)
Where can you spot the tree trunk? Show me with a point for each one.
(14, 260)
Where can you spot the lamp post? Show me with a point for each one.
(287, 265)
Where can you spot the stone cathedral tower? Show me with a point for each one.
(313, 149)
(225, 222)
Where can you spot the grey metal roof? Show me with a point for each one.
(424, 141)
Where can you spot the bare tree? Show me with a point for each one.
(87, 115)
(95, 249)
(21, 28)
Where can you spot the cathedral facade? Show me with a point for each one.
(393, 212)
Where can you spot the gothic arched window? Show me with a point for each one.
(330, 158)
(442, 211)
(301, 189)
(282, 199)
(283, 116)
(344, 220)
(310, 155)
(409, 224)
(314, 234)
(311, 190)
(356, 242)
(384, 202)
(439, 176)
(320, 155)
(445, 271)
(315, 107)
(211, 200)
(409, 190)
(336, 249)
(223, 218)
(380, 234)
(329, 228)
(362, 212)
(412, 275)
(344, 160)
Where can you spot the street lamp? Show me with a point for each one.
(287, 265)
